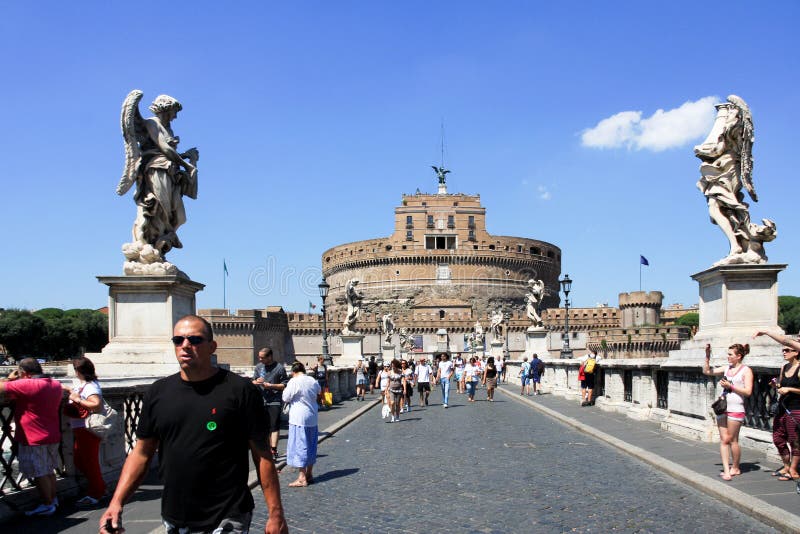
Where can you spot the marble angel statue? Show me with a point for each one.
(387, 328)
(532, 300)
(353, 298)
(496, 325)
(726, 168)
(162, 175)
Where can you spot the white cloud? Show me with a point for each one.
(660, 131)
(544, 194)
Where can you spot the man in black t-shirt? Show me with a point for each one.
(270, 378)
(202, 421)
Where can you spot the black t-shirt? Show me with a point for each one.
(203, 430)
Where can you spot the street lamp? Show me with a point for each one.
(379, 320)
(566, 287)
(507, 319)
(323, 292)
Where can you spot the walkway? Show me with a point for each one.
(508, 466)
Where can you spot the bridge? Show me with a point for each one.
(519, 464)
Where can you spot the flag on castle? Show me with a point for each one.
(643, 260)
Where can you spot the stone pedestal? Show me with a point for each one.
(735, 302)
(352, 350)
(388, 352)
(496, 348)
(535, 342)
(142, 311)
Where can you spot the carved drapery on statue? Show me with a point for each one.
(353, 298)
(727, 166)
(496, 326)
(475, 338)
(387, 329)
(406, 341)
(532, 300)
(162, 175)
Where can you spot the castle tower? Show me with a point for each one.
(640, 308)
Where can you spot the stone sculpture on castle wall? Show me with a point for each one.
(353, 298)
(387, 328)
(727, 166)
(532, 300)
(162, 175)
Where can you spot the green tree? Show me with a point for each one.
(71, 333)
(688, 319)
(20, 332)
(789, 314)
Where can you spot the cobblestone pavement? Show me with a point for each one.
(488, 467)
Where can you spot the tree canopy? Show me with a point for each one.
(789, 314)
(688, 319)
(60, 334)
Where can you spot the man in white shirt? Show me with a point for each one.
(423, 373)
(443, 376)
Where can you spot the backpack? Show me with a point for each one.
(588, 367)
(533, 369)
(541, 367)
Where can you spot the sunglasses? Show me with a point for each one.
(193, 340)
(788, 350)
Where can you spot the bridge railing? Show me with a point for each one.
(125, 396)
(679, 398)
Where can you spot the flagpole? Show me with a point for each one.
(224, 286)
(640, 274)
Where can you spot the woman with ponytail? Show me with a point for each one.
(736, 384)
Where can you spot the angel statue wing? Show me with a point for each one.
(133, 132)
(748, 136)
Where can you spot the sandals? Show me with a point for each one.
(779, 472)
(787, 478)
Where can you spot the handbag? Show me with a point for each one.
(720, 406)
(774, 406)
(103, 422)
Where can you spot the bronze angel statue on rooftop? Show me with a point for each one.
(163, 176)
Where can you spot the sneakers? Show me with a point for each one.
(444, 405)
(42, 510)
(86, 501)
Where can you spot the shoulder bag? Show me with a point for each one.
(103, 422)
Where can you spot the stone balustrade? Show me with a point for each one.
(126, 397)
(677, 396)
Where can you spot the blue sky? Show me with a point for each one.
(312, 118)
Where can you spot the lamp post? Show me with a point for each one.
(323, 292)
(379, 357)
(507, 319)
(566, 287)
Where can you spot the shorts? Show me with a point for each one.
(38, 460)
(361, 381)
(409, 390)
(524, 380)
(235, 524)
(588, 383)
(273, 412)
(423, 387)
(537, 379)
(491, 382)
(733, 416)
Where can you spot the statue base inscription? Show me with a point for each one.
(387, 352)
(352, 350)
(496, 349)
(142, 311)
(535, 341)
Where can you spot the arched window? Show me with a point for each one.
(441, 314)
